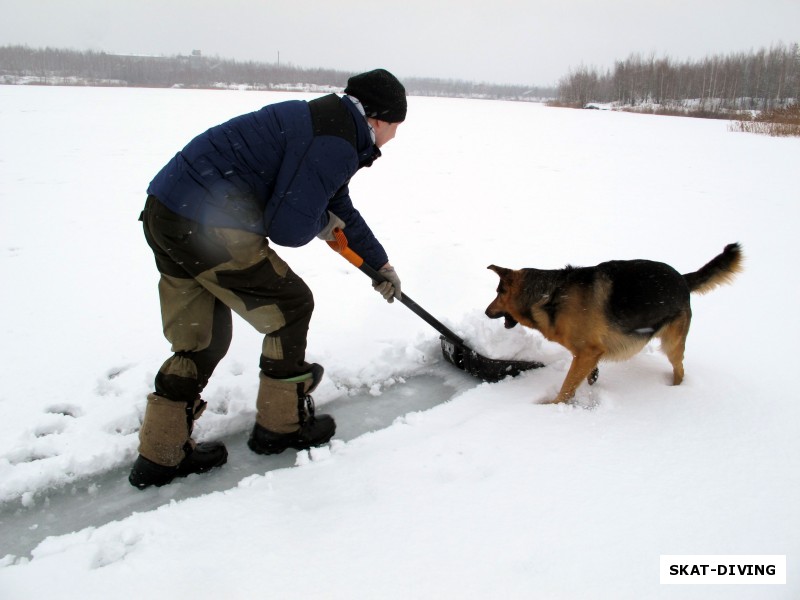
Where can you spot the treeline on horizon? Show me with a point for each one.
(758, 80)
(716, 85)
(53, 66)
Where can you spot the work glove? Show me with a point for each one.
(389, 289)
(334, 222)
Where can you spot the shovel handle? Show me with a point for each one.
(339, 244)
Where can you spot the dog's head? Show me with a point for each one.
(503, 304)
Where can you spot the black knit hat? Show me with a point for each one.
(380, 93)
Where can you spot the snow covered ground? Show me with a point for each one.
(490, 494)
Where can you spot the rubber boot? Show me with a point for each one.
(166, 448)
(286, 417)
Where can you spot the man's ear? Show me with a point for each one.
(376, 124)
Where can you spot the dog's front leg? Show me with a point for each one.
(582, 365)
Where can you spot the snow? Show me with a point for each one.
(491, 494)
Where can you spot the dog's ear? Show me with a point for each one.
(502, 272)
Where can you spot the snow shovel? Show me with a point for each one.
(454, 348)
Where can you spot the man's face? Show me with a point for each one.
(383, 131)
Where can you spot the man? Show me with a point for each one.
(280, 174)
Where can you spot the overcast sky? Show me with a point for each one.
(532, 42)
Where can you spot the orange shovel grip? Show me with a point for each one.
(340, 245)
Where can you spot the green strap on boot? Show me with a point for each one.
(285, 416)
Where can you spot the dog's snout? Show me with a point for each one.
(495, 313)
(495, 309)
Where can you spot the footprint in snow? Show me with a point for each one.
(107, 385)
(68, 410)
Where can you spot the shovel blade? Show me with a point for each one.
(487, 369)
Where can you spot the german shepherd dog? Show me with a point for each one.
(609, 311)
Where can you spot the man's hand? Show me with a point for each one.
(389, 289)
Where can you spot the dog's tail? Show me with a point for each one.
(719, 271)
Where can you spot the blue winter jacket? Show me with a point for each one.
(276, 172)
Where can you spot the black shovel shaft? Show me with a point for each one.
(453, 347)
(340, 246)
(414, 307)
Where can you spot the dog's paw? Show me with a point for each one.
(550, 400)
(593, 376)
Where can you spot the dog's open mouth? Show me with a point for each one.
(510, 321)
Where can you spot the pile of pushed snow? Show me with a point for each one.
(490, 338)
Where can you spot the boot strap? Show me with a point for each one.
(193, 412)
(305, 405)
(196, 409)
